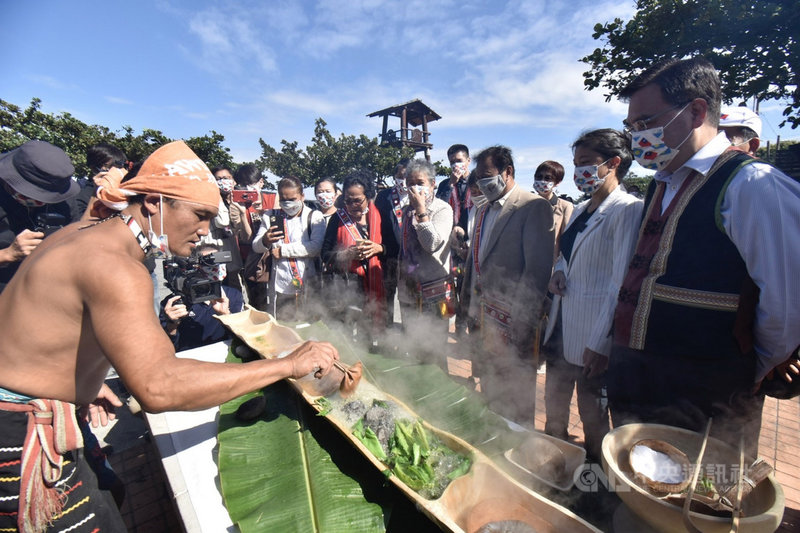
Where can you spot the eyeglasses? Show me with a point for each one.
(355, 201)
(640, 125)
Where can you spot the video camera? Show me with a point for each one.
(184, 276)
(49, 223)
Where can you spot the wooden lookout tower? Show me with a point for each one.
(412, 115)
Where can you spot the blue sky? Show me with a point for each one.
(497, 72)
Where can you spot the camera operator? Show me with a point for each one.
(36, 182)
(190, 325)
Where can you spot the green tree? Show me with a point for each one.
(19, 125)
(327, 155)
(635, 183)
(753, 43)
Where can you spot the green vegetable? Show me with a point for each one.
(324, 405)
(416, 456)
(369, 439)
(461, 469)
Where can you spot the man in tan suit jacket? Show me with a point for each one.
(505, 282)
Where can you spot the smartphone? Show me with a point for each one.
(276, 221)
(244, 197)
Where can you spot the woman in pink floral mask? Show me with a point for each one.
(327, 192)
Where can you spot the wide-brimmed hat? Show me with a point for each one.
(732, 117)
(40, 171)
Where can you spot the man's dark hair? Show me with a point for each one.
(402, 164)
(681, 81)
(608, 143)
(472, 179)
(221, 167)
(330, 180)
(102, 154)
(248, 174)
(498, 156)
(362, 177)
(554, 167)
(453, 150)
(290, 182)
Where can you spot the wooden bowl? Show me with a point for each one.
(763, 508)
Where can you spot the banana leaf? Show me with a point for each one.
(430, 392)
(290, 470)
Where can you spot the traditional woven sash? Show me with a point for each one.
(456, 203)
(348, 235)
(297, 280)
(52, 431)
(397, 207)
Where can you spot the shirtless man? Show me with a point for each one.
(83, 301)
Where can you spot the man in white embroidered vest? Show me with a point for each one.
(711, 301)
(506, 275)
(82, 301)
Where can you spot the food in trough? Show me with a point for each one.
(659, 466)
(411, 451)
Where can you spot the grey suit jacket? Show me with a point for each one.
(518, 261)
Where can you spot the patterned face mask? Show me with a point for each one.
(425, 191)
(400, 185)
(586, 179)
(649, 148)
(326, 199)
(459, 169)
(215, 272)
(542, 186)
(225, 185)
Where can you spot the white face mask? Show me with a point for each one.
(425, 191)
(326, 199)
(291, 207)
(586, 179)
(160, 242)
(479, 201)
(649, 149)
(542, 186)
(492, 187)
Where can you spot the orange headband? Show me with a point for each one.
(173, 171)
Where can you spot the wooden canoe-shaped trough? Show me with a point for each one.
(484, 496)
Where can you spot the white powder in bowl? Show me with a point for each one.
(655, 465)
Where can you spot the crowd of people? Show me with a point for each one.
(673, 308)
